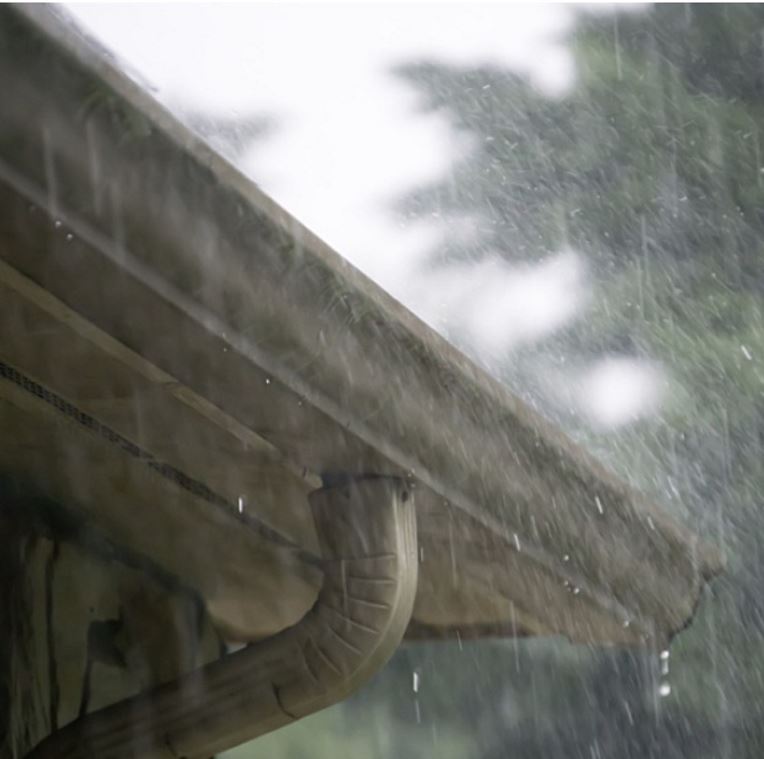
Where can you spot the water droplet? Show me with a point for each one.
(664, 690)
(664, 663)
(576, 591)
(69, 237)
(599, 504)
(626, 623)
(746, 352)
(566, 557)
(241, 504)
(415, 681)
(57, 223)
(267, 380)
(517, 541)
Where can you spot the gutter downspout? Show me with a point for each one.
(367, 533)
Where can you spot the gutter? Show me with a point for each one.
(367, 533)
(145, 225)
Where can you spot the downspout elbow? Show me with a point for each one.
(367, 532)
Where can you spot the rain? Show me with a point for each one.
(571, 195)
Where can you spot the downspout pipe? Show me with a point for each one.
(367, 534)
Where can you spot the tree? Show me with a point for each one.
(651, 168)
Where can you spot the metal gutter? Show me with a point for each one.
(169, 233)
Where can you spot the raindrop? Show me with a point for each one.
(746, 352)
(57, 223)
(69, 237)
(517, 542)
(415, 681)
(576, 591)
(664, 690)
(241, 504)
(626, 623)
(599, 504)
(664, 663)
(566, 557)
(267, 380)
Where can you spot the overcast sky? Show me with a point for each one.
(349, 140)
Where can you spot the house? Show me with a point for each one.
(234, 472)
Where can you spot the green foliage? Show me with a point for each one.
(652, 168)
(344, 733)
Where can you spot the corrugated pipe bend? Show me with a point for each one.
(367, 532)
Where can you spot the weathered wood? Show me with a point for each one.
(85, 623)
(368, 539)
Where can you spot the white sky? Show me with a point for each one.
(349, 139)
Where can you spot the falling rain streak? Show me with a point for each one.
(613, 218)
